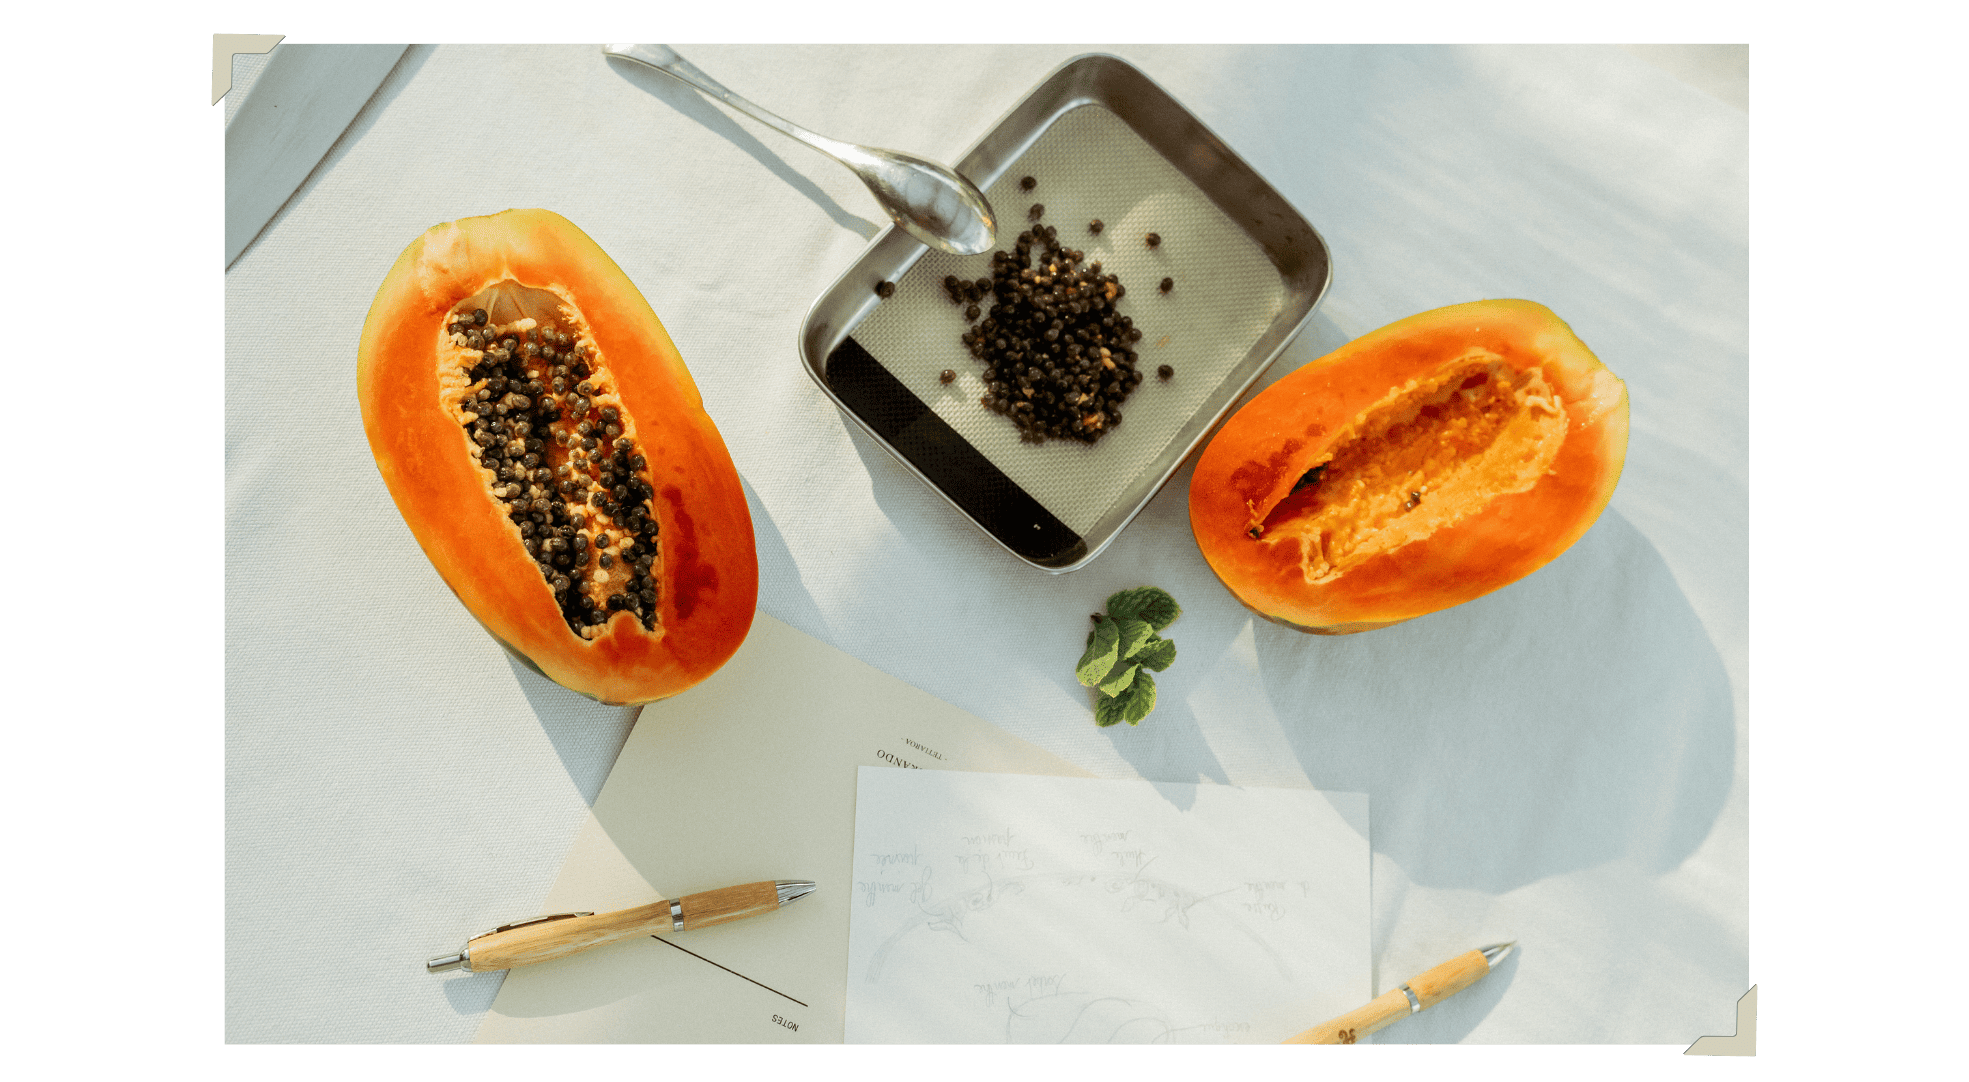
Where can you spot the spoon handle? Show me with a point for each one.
(665, 59)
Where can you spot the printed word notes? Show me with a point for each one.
(995, 908)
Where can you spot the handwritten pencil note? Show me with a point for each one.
(999, 908)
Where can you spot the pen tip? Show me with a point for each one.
(793, 889)
(1497, 952)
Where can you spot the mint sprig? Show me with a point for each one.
(1145, 603)
(1103, 648)
(1123, 649)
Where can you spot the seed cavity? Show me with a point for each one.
(558, 463)
(1429, 454)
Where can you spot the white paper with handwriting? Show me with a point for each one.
(996, 908)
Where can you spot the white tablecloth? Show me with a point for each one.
(1562, 762)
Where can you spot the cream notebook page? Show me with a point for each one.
(748, 776)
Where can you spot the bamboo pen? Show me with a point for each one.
(543, 939)
(1426, 990)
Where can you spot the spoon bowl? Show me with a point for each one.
(929, 201)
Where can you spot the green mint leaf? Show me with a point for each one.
(1118, 681)
(1123, 649)
(1102, 649)
(1138, 700)
(1145, 603)
(1156, 655)
(1135, 634)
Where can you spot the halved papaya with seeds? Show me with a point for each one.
(548, 449)
(1418, 467)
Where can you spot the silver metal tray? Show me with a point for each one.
(1102, 140)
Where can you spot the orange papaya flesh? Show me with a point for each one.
(1418, 467)
(549, 451)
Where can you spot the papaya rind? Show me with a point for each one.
(709, 577)
(1260, 453)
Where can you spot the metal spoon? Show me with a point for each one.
(929, 201)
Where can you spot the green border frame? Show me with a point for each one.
(119, 811)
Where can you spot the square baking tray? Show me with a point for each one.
(1102, 141)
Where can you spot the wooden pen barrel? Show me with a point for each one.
(551, 939)
(731, 903)
(1430, 988)
(547, 940)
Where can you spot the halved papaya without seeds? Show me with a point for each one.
(549, 451)
(1419, 466)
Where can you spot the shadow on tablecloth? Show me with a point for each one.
(1577, 716)
(588, 735)
(694, 106)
